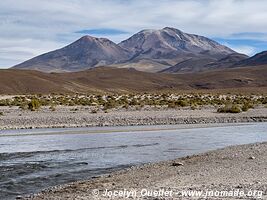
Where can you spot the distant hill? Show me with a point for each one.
(206, 64)
(190, 65)
(147, 50)
(258, 59)
(108, 79)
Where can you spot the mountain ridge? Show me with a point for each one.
(257, 59)
(206, 64)
(159, 49)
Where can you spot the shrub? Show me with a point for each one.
(247, 106)
(5, 102)
(34, 105)
(182, 103)
(1, 113)
(126, 106)
(94, 111)
(134, 102)
(234, 108)
(24, 106)
(52, 108)
(109, 105)
(171, 104)
(193, 107)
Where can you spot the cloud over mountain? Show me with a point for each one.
(26, 25)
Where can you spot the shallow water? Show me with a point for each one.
(31, 160)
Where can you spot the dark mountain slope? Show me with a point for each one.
(205, 64)
(84, 53)
(258, 59)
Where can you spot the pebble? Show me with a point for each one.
(177, 164)
(64, 118)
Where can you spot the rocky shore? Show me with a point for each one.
(241, 169)
(64, 116)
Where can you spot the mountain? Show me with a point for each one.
(84, 53)
(194, 64)
(226, 62)
(258, 59)
(205, 64)
(109, 79)
(168, 43)
(147, 50)
(170, 46)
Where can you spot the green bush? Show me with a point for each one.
(34, 105)
(1, 113)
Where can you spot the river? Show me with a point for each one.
(31, 160)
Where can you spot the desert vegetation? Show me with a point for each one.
(230, 108)
(34, 104)
(224, 103)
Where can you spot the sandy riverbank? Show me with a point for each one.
(63, 116)
(237, 168)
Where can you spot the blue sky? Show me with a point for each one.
(32, 27)
(102, 32)
(246, 46)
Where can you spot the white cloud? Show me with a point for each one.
(248, 50)
(44, 25)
